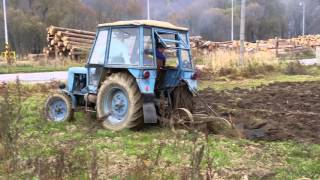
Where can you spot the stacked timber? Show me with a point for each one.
(281, 47)
(74, 43)
(308, 40)
(197, 42)
(66, 42)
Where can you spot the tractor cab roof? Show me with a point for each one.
(151, 23)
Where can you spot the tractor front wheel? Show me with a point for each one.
(119, 104)
(58, 108)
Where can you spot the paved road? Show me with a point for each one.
(34, 77)
(310, 61)
(62, 76)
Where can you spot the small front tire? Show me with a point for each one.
(58, 108)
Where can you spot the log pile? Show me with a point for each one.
(66, 42)
(308, 40)
(197, 43)
(279, 47)
(74, 43)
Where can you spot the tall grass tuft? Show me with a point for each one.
(226, 63)
(229, 59)
(10, 116)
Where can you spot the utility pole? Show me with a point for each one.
(303, 4)
(5, 25)
(148, 6)
(242, 31)
(10, 56)
(6, 53)
(232, 20)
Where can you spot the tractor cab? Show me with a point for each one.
(132, 64)
(133, 45)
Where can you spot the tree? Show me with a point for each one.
(208, 18)
(214, 24)
(26, 32)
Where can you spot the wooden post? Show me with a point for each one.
(277, 46)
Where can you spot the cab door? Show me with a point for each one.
(97, 59)
(174, 44)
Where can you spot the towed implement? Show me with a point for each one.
(123, 82)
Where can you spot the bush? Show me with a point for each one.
(10, 115)
(227, 71)
(251, 70)
(255, 69)
(295, 68)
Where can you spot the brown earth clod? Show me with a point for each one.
(280, 111)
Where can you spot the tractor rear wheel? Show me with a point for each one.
(58, 108)
(182, 98)
(119, 103)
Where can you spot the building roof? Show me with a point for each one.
(152, 23)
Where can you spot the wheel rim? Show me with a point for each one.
(57, 110)
(116, 103)
(182, 117)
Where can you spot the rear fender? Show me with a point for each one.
(73, 98)
(192, 84)
(149, 109)
(146, 86)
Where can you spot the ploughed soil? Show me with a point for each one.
(279, 111)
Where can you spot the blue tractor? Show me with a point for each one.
(122, 81)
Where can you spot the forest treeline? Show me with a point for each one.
(28, 19)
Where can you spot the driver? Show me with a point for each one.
(161, 58)
(161, 62)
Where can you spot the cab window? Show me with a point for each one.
(186, 61)
(184, 38)
(94, 76)
(172, 58)
(124, 46)
(171, 52)
(99, 51)
(148, 54)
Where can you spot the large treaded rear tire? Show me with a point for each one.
(120, 90)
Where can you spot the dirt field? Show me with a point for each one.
(284, 114)
(280, 111)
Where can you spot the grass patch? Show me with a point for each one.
(37, 67)
(30, 68)
(286, 73)
(152, 152)
(219, 59)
